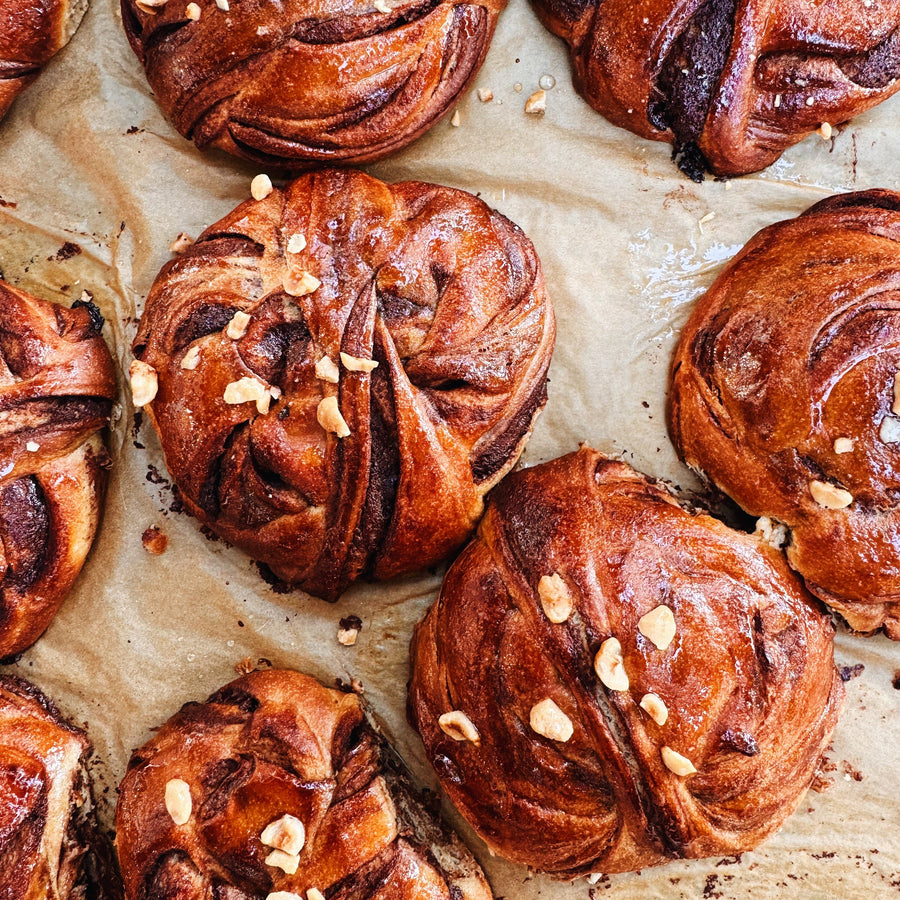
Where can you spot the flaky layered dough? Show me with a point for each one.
(30, 34)
(783, 395)
(49, 843)
(274, 744)
(57, 384)
(732, 83)
(309, 82)
(444, 294)
(748, 681)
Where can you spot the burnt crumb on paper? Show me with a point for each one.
(273, 581)
(8, 204)
(154, 541)
(821, 782)
(895, 681)
(175, 504)
(849, 672)
(67, 251)
(134, 129)
(850, 771)
(136, 428)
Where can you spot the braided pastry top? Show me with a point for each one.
(49, 843)
(278, 784)
(57, 384)
(608, 681)
(309, 82)
(31, 32)
(437, 329)
(785, 393)
(732, 83)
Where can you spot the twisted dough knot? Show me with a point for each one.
(299, 83)
(784, 395)
(57, 384)
(272, 745)
(446, 296)
(679, 709)
(731, 84)
(49, 842)
(30, 34)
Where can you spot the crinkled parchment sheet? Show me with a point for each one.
(627, 244)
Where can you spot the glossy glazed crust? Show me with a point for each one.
(268, 744)
(733, 83)
(48, 841)
(446, 295)
(57, 384)
(795, 346)
(749, 681)
(310, 82)
(31, 32)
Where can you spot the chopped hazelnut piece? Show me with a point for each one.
(192, 12)
(261, 187)
(889, 432)
(178, 800)
(655, 708)
(536, 104)
(286, 833)
(382, 6)
(285, 895)
(773, 533)
(485, 95)
(356, 364)
(237, 327)
(347, 636)
(825, 131)
(658, 626)
(248, 390)
(548, 720)
(296, 243)
(299, 284)
(677, 763)
(459, 726)
(314, 894)
(32, 447)
(144, 383)
(556, 599)
(843, 445)
(181, 243)
(610, 666)
(191, 359)
(829, 496)
(454, 119)
(326, 370)
(223, 5)
(287, 862)
(154, 541)
(895, 406)
(329, 417)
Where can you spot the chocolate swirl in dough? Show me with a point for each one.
(638, 683)
(731, 84)
(443, 294)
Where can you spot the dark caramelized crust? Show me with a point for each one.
(49, 843)
(444, 294)
(731, 83)
(31, 32)
(57, 384)
(748, 679)
(272, 744)
(784, 378)
(309, 82)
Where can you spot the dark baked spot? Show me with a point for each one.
(208, 318)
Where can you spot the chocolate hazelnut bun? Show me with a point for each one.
(609, 681)
(57, 385)
(30, 34)
(49, 841)
(277, 787)
(342, 370)
(786, 395)
(297, 84)
(731, 84)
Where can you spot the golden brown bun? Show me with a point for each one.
(794, 347)
(748, 680)
(445, 294)
(731, 84)
(49, 844)
(30, 34)
(295, 84)
(57, 384)
(271, 744)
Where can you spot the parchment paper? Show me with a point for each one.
(86, 157)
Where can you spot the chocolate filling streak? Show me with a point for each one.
(25, 534)
(877, 68)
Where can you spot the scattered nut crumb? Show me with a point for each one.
(810, 101)
(356, 686)
(314, 894)
(181, 243)
(261, 187)
(154, 541)
(192, 12)
(536, 104)
(653, 705)
(548, 720)
(705, 220)
(191, 359)
(773, 533)
(843, 445)
(144, 383)
(248, 390)
(459, 726)
(825, 131)
(556, 599)
(357, 364)
(889, 432)
(517, 87)
(237, 327)
(777, 101)
(296, 243)
(610, 666)
(485, 95)
(677, 763)
(178, 800)
(286, 834)
(223, 5)
(829, 496)
(300, 283)
(658, 626)
(284, 861)
(245, 666)
(328, 415)
(32, 447)
(454, 120)
(382, 6)
(326, 370)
